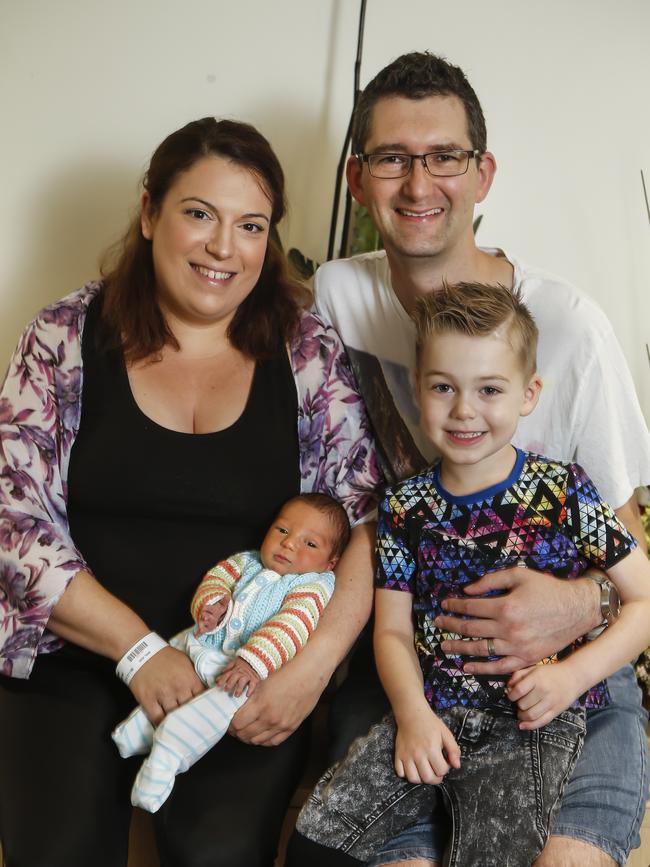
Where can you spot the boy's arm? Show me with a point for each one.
(424, 747)
(397, 661)
(537, 690)
(285, 633)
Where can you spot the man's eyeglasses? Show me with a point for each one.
(440, 164)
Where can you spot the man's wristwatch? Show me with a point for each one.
(610, 603)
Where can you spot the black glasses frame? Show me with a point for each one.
(365, 158)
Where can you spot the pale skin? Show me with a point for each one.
(215, 216)
(425, 749)
(423, 251)
(91, 617)
(212, 613)
(238, 676)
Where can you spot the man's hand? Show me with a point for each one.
(238, 676)
(541, 693)
(537, 617)
(280, 704)
(425, 749)
(211, 615)
(165, 682)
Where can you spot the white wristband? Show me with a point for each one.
(136, 656)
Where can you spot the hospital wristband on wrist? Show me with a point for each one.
(136, 656)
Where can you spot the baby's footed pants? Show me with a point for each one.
(181, 739)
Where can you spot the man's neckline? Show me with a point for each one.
(496, 252)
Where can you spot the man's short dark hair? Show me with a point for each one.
(337, 515)
(416, 76)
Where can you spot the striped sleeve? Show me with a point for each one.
(218, 581)
(282, 636)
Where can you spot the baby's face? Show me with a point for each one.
(299, 540)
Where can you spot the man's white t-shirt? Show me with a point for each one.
(588, 410)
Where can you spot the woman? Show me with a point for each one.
(151, 425)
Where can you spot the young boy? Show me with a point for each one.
(253, 612)
(485, 506)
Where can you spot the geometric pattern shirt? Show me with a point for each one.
(546, 516)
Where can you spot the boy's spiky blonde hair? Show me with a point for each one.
(477, 309)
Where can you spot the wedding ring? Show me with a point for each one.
(490, 647)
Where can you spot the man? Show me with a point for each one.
(420, 165)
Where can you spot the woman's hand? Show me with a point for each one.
(90, 616)
(425, 749)
(163, 683)
(280, 704)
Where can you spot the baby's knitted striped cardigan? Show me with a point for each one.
(278, 612)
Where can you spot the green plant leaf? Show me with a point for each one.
(364, 237)
(304, 266)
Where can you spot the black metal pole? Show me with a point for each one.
(647, 207)
(337, 192)
(344, 153)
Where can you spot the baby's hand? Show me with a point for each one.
(212, 615)
(238, 676)
(541, 693)
(425, 749)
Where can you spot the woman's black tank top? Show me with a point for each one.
(152, 509)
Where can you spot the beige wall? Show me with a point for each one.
(88, 88)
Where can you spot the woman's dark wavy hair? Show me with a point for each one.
(268, 317)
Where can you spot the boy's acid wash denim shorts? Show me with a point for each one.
(501, 801)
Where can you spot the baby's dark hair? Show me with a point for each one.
(477, 309)
(337, 516)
